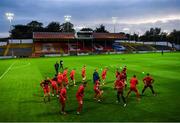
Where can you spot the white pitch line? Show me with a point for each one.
(7, 70)
(21, 66)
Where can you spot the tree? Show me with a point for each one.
(174, 37)
(53, 27)
(35, 24)
(154, 34)
(86, 29)
(21, 32)
(26, 31)
(67, 27)
(101, 28)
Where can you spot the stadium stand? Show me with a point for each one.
(56, 43)
(161, 47)
(81, 42)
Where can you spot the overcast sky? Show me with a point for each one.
(132, 15)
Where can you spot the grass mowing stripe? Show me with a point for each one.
(22, 97)
(22, 66)
(7, 70)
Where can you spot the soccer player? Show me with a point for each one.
(56, 66)
(119, 86)
(117, 72)
(62, 98)
(123, 77)
(61, 65)
(65, 78)
(124, 71)
(96, 76)
(79, 96)
(98, 92)
(133, 83)
(72, 76)
(45, 84)
(59, 81)
(83, 73)
(125, 68)
(103, 75)
(54, 86)
(148, 81)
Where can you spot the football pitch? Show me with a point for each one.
(21, 97)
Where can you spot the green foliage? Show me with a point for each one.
(101, 29)
(67, 27)
(53, 27)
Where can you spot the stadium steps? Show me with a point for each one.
(151, 47)
(129, 47)
(21, 45)
(6, 50)
(61, 50)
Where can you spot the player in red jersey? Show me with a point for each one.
(83, 73)
(79, 96)
(45, 84)
(133, 83)
(72, 76)
(119, 86)
(98, 92)
(54, 86)
(124, 71)
(117, 72)
(65, 78)
(62, 98)
(148, 81)
(59, 81)
(123, 78)
(103, 75)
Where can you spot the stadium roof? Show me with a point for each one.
(109, 36)
(53, 35)
(60, 35)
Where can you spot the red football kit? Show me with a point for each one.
(72, 74)
(119, 85)
(80, 94)
(104, 74)
(62, 95)
(83, 72)
(45, 85)
(148, 80)
(65, 78)
(96, 88)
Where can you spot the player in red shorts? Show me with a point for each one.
(65, 78)
(45, 84)
(54, 86)
(119, 86)
(148, 81)
(79, 96)
(98, 92)
(59, 81)
(133, 83)
(103, 75)
(72, 76)
(83, 73)
(62, 98)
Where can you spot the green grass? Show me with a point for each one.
(21, 96)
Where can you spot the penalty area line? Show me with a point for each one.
(7, 70)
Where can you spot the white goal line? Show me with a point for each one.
(7, 70)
